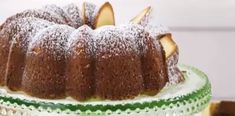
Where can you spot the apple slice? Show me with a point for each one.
(105, 16)
(142, 17)
(168, 44)
(88, 12)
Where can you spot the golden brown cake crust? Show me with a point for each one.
(118, 66)
(45, 63)
(4, 50)
(154, 67)
(24, 30)
(80, 79)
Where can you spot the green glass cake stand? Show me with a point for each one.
(186, 98)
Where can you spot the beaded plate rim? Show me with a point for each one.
(203, 92)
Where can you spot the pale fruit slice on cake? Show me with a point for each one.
(143, 17)
(105, 16)
(168, 44)
(166, 40)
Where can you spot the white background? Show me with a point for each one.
(204, 30)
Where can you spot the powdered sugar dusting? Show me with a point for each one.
(37, 14)
(175, 75)
(52, 40)
(90, 13)
(156, 30)
(56, 10)
(157, 44)
(137, 33)
(22, 30)
(83, 37)
(75, 14)
(116, 40)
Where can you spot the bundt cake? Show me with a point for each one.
(57, 52)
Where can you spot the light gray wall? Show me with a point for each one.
(204, 30)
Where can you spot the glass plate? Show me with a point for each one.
(186, 98)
